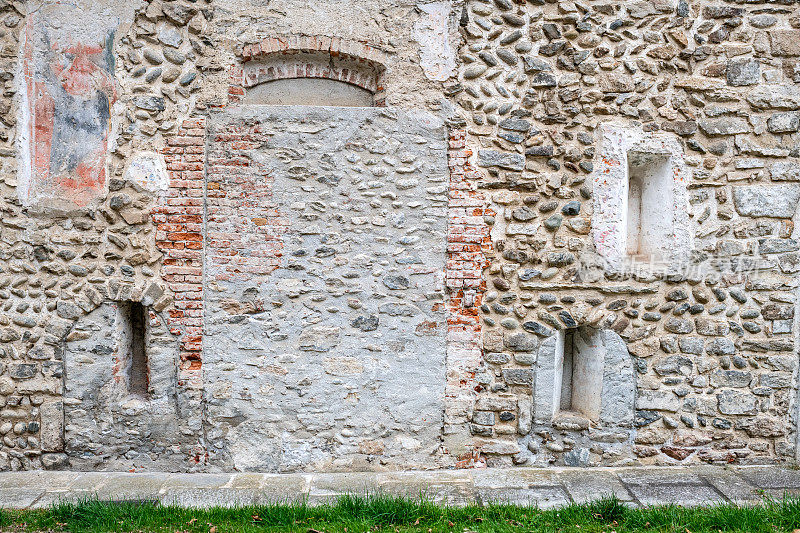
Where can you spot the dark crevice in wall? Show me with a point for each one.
(138, 371)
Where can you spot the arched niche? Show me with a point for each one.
(309, 70)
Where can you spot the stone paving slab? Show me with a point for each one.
(583, 488)
(546, 488)
(449, 487)
(730, 484)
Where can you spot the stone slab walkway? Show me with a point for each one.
(545, 488)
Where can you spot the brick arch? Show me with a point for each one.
(309, 56)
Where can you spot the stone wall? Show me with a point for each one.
(711, 333)
(563, 235)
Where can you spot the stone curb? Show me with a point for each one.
(546, 488)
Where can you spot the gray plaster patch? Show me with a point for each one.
(327, 372)
(99, 410)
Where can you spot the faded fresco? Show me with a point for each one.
(69, 91)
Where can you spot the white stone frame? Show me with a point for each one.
(618, 392)
(610, 195)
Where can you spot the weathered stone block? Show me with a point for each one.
(785, 42)
(508, 161)
(743, 72)
(52, 430)
(712, 327)
(736, 403)
(775, 97)
(720, 346)
(658, 400)
(518, 376)
(774, 311)
(724, 126)
(783, 123)
(779, 201)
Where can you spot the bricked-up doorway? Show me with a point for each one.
(325, 326)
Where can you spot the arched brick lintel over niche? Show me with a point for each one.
(309, 56)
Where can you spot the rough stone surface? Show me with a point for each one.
(338, 330)
(378, 284)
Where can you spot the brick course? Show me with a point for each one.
(178, 218)
(467, 240)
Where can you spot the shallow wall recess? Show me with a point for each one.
(121, 391)
(134, 318)
(640, 199)
(584, 373)
(650, 205)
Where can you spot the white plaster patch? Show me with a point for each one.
(611, 181)
(431, 31)
(148, 170)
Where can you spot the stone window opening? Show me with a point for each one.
(584, 377)
(135, 364)
(640, 204)
(650, 199)
(581, 374)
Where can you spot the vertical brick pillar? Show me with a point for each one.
(179, 227)
(467, 238)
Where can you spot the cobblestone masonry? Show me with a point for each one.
(458, 277)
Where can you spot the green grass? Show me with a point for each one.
(390, 514)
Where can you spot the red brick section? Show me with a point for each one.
(467, 240)
(179, 220)
(235, 85)
(244, 228)
(335, 46)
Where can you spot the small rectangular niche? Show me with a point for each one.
(580, 376)
(650, 233)
(133, 348)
